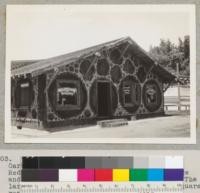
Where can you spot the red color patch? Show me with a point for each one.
(103, 175)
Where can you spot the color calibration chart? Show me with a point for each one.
(102, 174)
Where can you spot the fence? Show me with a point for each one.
(177, 102)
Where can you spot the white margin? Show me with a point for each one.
(190, 8)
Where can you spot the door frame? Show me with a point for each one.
(110, 95)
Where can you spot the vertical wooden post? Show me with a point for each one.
(179, 93)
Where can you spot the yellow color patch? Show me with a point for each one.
(120, 175)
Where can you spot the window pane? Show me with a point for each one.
(24, 94)
(127, 94)
(67, 94)
(151, 94)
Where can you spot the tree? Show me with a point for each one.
(167, 54)
(187, 47)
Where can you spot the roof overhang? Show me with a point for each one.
(165, 75)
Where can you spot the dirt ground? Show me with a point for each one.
(160, 127)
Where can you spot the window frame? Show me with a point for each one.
(68, 106)
(133, 90)
(156, 101)
(29, 95)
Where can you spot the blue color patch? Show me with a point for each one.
(155, 174)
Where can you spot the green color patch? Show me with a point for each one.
(138, 174)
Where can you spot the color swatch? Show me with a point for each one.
(103, 175)
(90, 169)
(155, 175)
(120, 175)
(68, 175)
(138, 174)
(85, 175)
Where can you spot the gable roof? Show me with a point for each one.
(36, 67)
(58, 60)
(21, 63)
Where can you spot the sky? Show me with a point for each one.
(42, 31)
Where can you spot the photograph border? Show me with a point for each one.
(191, 140)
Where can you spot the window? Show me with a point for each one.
(130, 92)
(151, 95)
(67, 95)
(25, 95)
(127, 94)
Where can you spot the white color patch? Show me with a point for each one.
(68, 175)
(174, 162)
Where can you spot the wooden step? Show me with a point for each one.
(113, 123)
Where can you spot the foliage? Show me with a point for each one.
(171, 56)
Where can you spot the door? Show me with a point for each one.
(103, 99)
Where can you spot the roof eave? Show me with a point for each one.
(165, 75)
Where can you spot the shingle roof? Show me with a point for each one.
(67, 58)
(21, 63)
(36, 67)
